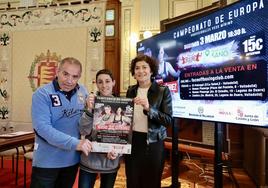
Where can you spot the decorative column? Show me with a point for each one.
(137, 16)
(127, 17)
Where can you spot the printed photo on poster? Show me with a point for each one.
(112, 124)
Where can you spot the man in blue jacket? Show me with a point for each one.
(56, 110)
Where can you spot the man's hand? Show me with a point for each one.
(85, 146)
(90, 102)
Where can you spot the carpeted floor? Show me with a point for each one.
(166, 181)
(192, 175)
(7, 178)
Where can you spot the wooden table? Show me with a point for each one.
(15, 140)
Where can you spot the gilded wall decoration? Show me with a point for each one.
(55, 17)
(4, 39)
(4, 112)
(43, 69)
(90, 16)
(95, 34)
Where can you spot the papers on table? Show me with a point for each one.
(14, 134)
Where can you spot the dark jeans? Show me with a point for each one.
(145, 165)
(53, 177)
(87, 179)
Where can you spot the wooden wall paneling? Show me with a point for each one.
(112, 43)
(179, 7)
(179, 20)
(236, 144)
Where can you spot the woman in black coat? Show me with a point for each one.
(152, 114)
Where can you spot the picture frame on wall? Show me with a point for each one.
(110, 15)
(109, 30)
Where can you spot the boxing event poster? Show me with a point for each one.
(112, 124)
(219, 64)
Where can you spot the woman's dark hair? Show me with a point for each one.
(104, 71)
(151, 61)
(122, 112)
(108, 72)
(106, 106)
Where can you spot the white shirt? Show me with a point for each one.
(140, 121)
